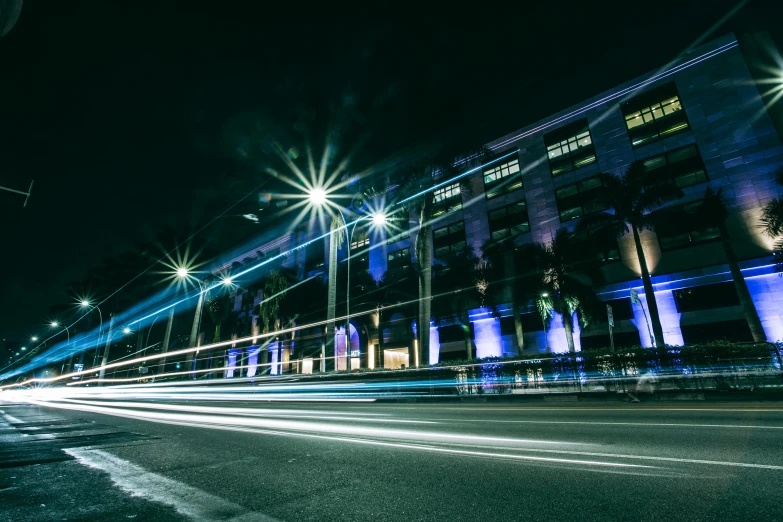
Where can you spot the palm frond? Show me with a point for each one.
(772, 218)
(657, 195)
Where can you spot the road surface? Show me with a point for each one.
(193, 460)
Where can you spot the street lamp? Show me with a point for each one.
(204, 287)
(33, 338)
(86, 304)
(379, 219)
(317, 196)
(55, 324)
(126, 330)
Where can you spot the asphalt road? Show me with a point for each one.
(159, 460)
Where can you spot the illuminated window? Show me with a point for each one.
(502, 178)
(398, 259)
(446, 199)
(580, 199)
(361, 238)
(569, 148)
(445, 193)
(654, 115)
(683, 167)
(509, 221)
(449, 239)
(682, 226)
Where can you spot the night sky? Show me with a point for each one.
(135, 115)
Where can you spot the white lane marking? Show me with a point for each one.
(12, 419)
(636, 424)
(552, 408)
(187, 500)
(634, 457)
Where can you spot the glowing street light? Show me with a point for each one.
(227, 281)
(84, 303)
(33, 338)
(317, 197)
(126, 330)
(182, 272)
(24, 347)
(54, 324)
(379, 218)
(545, 294)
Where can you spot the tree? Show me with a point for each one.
(275, 286)
(630, 200)
(713, 213)
(441, 166)
(335, 240)
(567, 283)
(772, 221)
(459, 284)
(516, 269)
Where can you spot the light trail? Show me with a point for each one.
(656, 77)
(619, 94)
(329, 427)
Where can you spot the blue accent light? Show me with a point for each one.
(486, 329)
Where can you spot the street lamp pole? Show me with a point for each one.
(106, 349)
(196, 324)
(55, 324)
(86, 304)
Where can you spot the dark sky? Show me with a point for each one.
(129, 115)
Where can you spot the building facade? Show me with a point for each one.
(699, 122)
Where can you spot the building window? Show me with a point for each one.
(580, 199)
(682, 167)
(398, 236)
(398, 259)
(509, 221)
(681, 226)
(654, 115)
(621, 309)
(502, 179)
(569, 148)
(706, 297)
(446, 199)
(361, 238)
(449, 240)
(532, 322)
(602, 246)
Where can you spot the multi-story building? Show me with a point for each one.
(699, 122)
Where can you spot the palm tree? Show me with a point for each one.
(424, 261)
(713, 213)
(335, 240)
(772, 221)
(567, 283)
(460, 283)
(275, 286)
(517, 270)
(630, 200)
